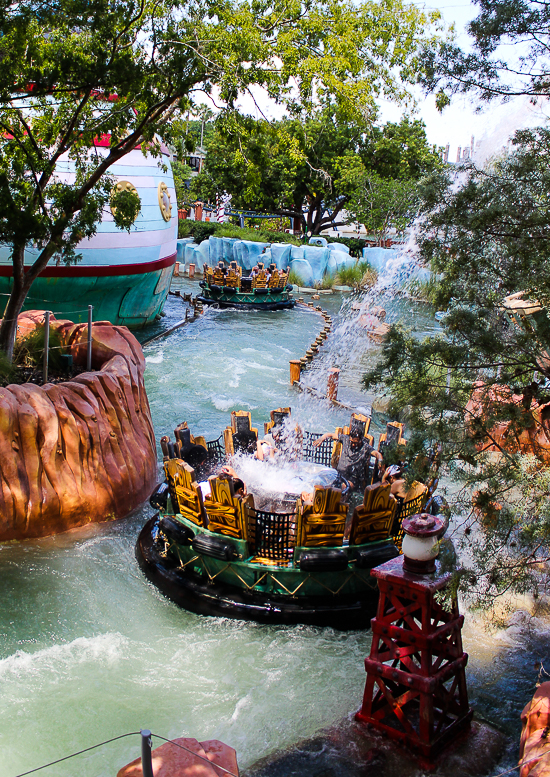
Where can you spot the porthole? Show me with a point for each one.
(164, 201)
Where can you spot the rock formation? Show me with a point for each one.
(81, 451)
(531, 434)
(534, 747)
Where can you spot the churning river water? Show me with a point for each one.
(89, 650)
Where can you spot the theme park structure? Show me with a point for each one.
(263, 289)
(124, 275)
(532, 435)
(79, 450)
(288, 558)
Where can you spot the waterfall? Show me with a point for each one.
(365, 315)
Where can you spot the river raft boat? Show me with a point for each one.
(223, 555)
(264, 289)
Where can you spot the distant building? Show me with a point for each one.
(196, 160)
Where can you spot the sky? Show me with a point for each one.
(491, 124)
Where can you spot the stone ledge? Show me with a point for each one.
(349, 749)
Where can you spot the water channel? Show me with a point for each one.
(90, 650)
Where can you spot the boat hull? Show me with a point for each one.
(122, 295)
(271, 305)
(210, 597)
(124, 275)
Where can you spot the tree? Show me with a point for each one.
(523, 26)
(285, 167)
(380, 204)
(74, 71)
(182, 176)
(311, 167)
(381, 181)
(480, 387)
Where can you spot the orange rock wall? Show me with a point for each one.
(533, 439)
(77, 452)
(534, 747)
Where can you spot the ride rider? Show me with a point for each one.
(355, 456)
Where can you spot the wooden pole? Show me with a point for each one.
(295, 371)
(46, 346)
(146, 758)
(332, 384)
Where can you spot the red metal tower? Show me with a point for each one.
(416, 685)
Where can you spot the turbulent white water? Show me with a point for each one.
(90, 650)
(349, 347)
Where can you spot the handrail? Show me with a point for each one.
(141, 733)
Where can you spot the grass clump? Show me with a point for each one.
(29, 351)
(359, 274)
(295, 279)
(327, 282)
(423, 291)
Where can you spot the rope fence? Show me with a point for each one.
(54, 312)
(145, 753)
(80, 752)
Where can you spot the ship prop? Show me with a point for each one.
(300, 561)
(264, 289)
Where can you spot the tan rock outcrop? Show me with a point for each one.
(531, 436)
(534, 747)
(186, 757)
(81, 451)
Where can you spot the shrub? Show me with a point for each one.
(29, 351)
(7, 370)
(355, 244)
(282, 237)
(423, 291)
(198, 230)
(201, 230)
(327, 282)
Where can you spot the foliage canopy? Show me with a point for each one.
(523, 27)
(313, 167)
(74, 71)
(480, 386)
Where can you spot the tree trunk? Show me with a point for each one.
(8, 327)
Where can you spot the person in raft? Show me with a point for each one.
(280, 440)
(354, 458)
(239, 487)
(394, 476)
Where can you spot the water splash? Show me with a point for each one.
(365, 316)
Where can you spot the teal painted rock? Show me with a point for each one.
(303, 270)
(342, 259)
(338, 247)
(247, 253)
(378, 258)
(318, 259)
(281, 254)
